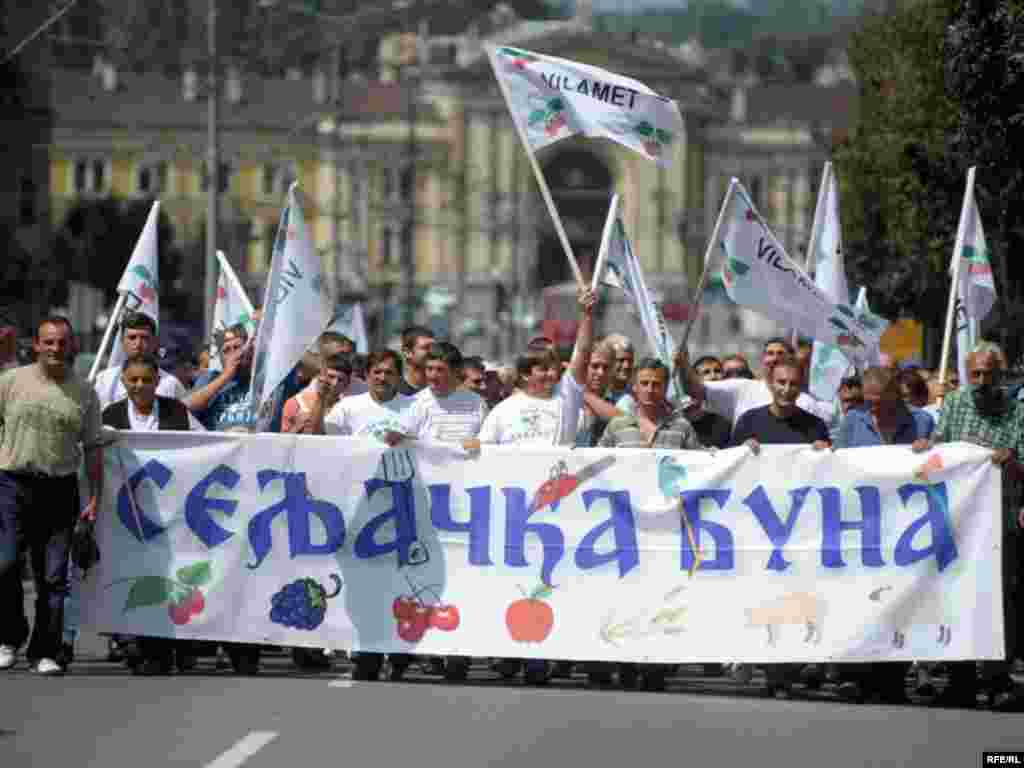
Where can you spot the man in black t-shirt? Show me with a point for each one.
(781, 422)
(714, 431)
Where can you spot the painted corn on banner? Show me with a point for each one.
(859, 555)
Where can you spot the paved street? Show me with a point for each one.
(101, 715)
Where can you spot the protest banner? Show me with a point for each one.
(758, 273)
(551, 99)
(137, 290)
(296, 307)
(972, 291)
(864, 554)
(619, 267)
(232, 307)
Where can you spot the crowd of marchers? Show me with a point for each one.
(598, 395)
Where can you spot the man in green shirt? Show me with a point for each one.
(983, 414)
(47, 417)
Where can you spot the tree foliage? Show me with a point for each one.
(985, 73)
(901, 183)
(96, 238)
(942, 89)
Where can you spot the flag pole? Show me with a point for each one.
(708, 255)
(606, 237)
(954, 287)
(539, 175)
(816, 225)
(115, 316)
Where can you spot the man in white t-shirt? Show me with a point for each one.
(445, 413)
(379, 413)
(442, 412)
(731, 398)
(542, 411)
(138, 337)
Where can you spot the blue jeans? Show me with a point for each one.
(37, 516)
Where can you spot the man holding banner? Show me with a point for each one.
(138, 337)
(983, 414)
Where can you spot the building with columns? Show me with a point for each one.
(422, 199)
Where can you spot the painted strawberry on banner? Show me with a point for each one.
(183, 595)
(655, 140)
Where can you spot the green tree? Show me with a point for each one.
(985, 72)
(902, 183)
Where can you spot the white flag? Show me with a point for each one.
(621, 269)
(828, 365)
(348, 321)
(552, 99)
(232, 307)
(140, 278)
(976, 291)
(296, 306)
(874, 356)
(758, 274)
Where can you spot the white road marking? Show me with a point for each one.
(341, 682)
(243, 749)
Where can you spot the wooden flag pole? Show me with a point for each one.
(708, 256)
(958, 249)
(539, 175)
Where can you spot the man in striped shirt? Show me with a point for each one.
(654, 424)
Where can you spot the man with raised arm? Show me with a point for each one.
(544, 411)
(732, 398)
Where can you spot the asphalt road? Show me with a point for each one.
(100, 715)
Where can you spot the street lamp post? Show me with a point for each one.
(212, 170)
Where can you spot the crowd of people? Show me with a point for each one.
(600, 395)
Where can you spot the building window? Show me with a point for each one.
(90, 176)
(26, 202)
(277, 178)
(151, 178)
(386, 249)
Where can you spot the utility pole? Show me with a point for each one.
(409, 209)
(212, 170)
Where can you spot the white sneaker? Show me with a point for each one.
(8, 655)
(49, 668)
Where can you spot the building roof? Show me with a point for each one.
(148, 100)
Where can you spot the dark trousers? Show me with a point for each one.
(37, 516)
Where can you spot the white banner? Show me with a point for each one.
(622, 270)
(552, 99)
(757, 273)
(862, 554)
(231, 308)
